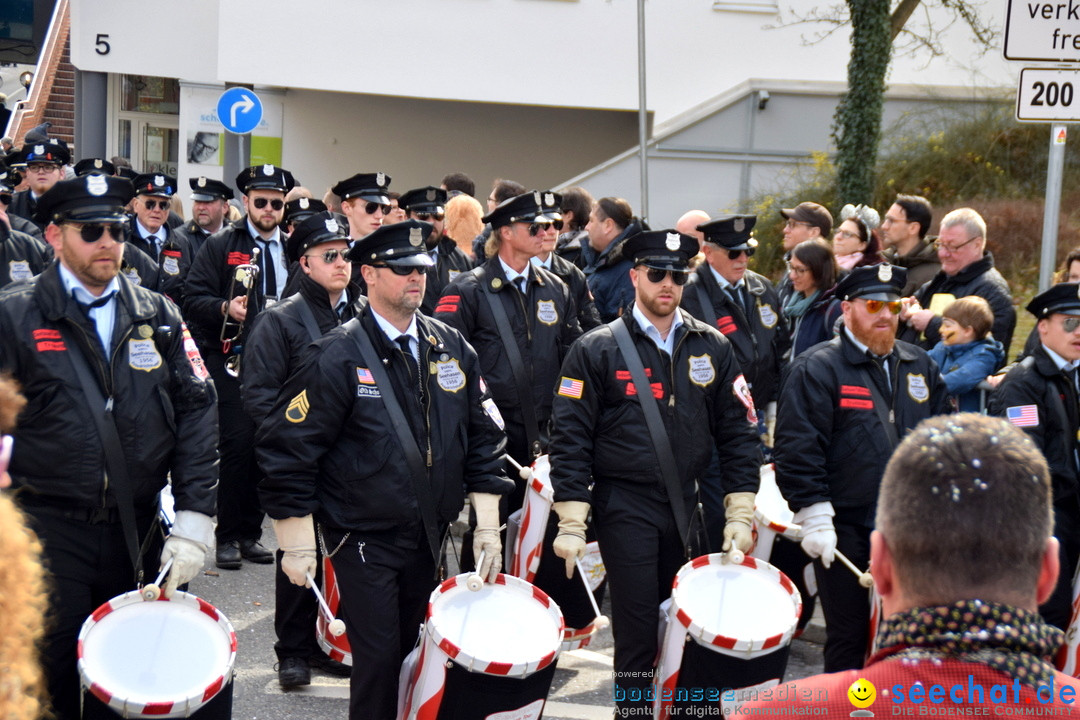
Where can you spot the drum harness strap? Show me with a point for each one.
(417, 470)
(517, 365)
(308, 318)
(657, 431)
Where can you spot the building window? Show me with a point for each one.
(142, 93)
(750, 6)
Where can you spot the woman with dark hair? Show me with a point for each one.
(811, 310)
(856, 242)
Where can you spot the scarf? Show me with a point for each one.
(1014, 641)
(797, 304)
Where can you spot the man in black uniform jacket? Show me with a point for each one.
(89, 477)
(42, 165)
(209, 206)
(547, 258)
(206, 304)
(1039, 395)
(22, 256)
(330, 451)
(276, 348)
(428, 204)
(844, 405)
(643, 494)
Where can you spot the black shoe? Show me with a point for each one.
(293, 672)
(253, 551)
(329, 665)
(228, 555)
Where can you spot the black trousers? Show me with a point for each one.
(384, 594)
(88, 565)
(642, 552)
(239, 515)
(1057, 610)
(845, 603)
(295, 613)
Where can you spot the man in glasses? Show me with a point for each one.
(967, 268)
(644, 478)
(428, 204)
(384, 494)
(843, 407)
(903, 230)
(87, 477)
(149, 231)
(276, 348)
(1040, 395)
(22, 256)
(211, 296)
(42, 164)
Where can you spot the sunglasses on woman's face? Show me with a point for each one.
(275, 204)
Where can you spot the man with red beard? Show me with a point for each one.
(844, 405)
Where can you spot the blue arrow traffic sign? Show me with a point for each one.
(239, 110)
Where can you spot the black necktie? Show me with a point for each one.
(521, 283)
(1072, 375)
(270, 286)
(100, 302)
(403, 342)
(881, 362)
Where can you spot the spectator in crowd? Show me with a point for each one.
(464, 221)
(904, 234)
(810, 309)
(967, 354)
(855, 242)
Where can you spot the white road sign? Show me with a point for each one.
(1046, 95)
(1043, 31)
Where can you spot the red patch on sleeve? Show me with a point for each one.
(51, 346)
(853, 404)
(657, 390)
(237, 258)
(726, 325)
(46, 334)
(854, 390)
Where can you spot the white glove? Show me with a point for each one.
(186, 546)
(296, 538)
(818, 533)
(569, 544)
(486, 537)
(770, 424)
(738, 514)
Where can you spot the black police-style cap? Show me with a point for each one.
(315, 229)
(204, 189)
(265, 177)
(731, 232)
(1063, 298)
(812, 214)
(552, 204)
(54, 150)
(398, 244)
(126, 173)
(89, 199)
(101, 166)
(661, 249)
(299, 209)
(527, 207)
(154, 184)
(9, 177)
(425, 199)
(873, 282)
(368, 186)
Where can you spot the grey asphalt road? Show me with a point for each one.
(581, 689)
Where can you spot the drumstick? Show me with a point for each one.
(865, 578)
(601, 621)
(524, 472)
(735, 556)
(474, 582)
(336, 627)
(152, 591)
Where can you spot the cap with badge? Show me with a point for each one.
(1063, 298)
(812, 214)
(53, 150)
(428, 199)
(527, 207)
(89, 199)
(299, 209)
(100, 166)
(204, 189)
(315, 229)
(661, 249)
(873, 282)
(367, 186)
(732, 232)
(397, 244)
(265, 177)
(154, 184)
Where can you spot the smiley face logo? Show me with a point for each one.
(862, 693)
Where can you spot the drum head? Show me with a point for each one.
(162, 652)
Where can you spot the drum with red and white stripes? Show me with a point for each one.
(165, 658)
(728, 626)
(336, 647)
(484, 652)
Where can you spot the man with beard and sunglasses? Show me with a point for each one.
(207, 302)
(844, 405)
(428, 204)
(638, 469)
(88, 474)
(383, 493)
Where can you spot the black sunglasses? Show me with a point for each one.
(373, 207)
(163, 204)
(260, 203)
(405, 269)
(425, 216)
(734, 254)
(679, 277)
(330, 256)
(537, 228)
(92, 232)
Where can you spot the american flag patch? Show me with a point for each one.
(1023, 415)
(363, 375)
(571, 388)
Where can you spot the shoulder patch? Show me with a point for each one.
(298, 408)
(571, 388)
(1023, 415)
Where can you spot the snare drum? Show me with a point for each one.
(337, 648)
(483, 652)
(741, 619)
(163, 658)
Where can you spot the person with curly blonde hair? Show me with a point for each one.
(463, 221)
(22, 578)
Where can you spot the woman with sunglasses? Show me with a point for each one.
(855, 242)
(810, 310)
